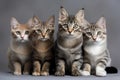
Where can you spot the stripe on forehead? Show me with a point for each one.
(93, 26)
(71, 19)
(43, 26)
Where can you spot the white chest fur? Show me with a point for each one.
(22, 58)
(95, 49)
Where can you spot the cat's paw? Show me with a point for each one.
(44, 73)
(17, 73)
(36, 73)
(100, 72)
(76, 72)
(59, 73)
(85, 73)
(26, 73)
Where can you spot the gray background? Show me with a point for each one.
(94, 9)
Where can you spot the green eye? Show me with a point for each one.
(38, 30)
(26, 32)
(99, 33)
(18, 32)
(48, 30)
(65, 25)
(89, 33)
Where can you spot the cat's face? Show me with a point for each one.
(96, 32)
(20, 32)
(70, 26)
(44, 30)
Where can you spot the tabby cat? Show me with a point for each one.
(20, 50)
(69, 42)
(42, 42)
(96, 54)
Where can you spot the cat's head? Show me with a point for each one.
(20, 32)
(70, 26)
(43, 30)
(96, 32)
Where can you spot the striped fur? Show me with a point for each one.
(96, 54)
(68, 44)
(20, 50)
(42, 42)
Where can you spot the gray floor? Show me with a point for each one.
(9, 76)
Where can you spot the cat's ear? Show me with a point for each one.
(14, 23)
(63, 14)
(51, 21)
(30, 22)
(36, 20)
(80, 16)
(101, 23)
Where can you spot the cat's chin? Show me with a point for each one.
(22, 41)
(43, 39)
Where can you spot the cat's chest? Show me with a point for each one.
(94, 49)
(43, 47)
(22, 57)
(22, 49)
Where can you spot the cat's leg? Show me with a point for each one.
(27, 68)
(100, 69)
(17, 68)
(36, 68)
(76, 65)
(60, 68)
(45, 69)
(86, 69)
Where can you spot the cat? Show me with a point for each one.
(19, 53)
(96, 55)
(68, 53)
(42, 42)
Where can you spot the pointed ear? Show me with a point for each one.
(101, 23)
(51, 21)
(36, 20)
(14, 23)
(80, 16)
(63, 15)
(30, 22)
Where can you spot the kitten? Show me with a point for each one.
(69, 43)
(20, 50)
(96, 54)
(43, 42)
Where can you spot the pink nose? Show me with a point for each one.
(94, 38)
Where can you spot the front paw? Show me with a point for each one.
(85, 73)
(100, 72)
(76, 72)
(60, 73)
(26, 73)
(17, 73)
(44, 73)
(36, 73)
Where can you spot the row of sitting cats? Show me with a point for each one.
(32, 46)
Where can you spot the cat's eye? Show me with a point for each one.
(99, 33)
(65, 25)
(48, 30)
(76, 26)
(26, 32)
(18, 32)
(89, 33)
(38, 30)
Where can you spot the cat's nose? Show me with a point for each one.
(43, 36)
(69, 31)
(94, 38)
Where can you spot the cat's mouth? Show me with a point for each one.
(43, 39)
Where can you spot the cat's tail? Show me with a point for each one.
(111, 70)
